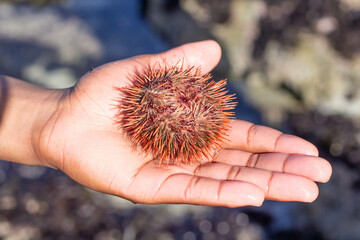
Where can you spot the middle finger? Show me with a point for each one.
(314, 168)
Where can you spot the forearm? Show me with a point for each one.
(24, 109)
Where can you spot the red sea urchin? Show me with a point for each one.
(176, 114)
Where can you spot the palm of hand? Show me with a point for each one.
(83, 141)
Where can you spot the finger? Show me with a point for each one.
(314, 168)
(203, 54)
(285, 187)
(277, 186)
(255, 138)
(186, 188)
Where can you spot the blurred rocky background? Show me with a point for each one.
(294, 64)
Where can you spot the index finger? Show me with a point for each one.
(249, 137)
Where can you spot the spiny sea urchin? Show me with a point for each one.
(176, 114)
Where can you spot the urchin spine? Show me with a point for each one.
(176, 114)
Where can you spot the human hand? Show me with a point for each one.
(257, 163)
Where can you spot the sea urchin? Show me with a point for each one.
(175, 114)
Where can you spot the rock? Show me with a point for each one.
(351, 4)
(337, 214)
(59, 41)
(311, 76)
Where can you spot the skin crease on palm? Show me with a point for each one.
(79, 137)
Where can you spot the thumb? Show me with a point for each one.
(204, 54)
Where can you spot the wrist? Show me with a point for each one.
(25, 109)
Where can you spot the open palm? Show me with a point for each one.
(256, 163)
